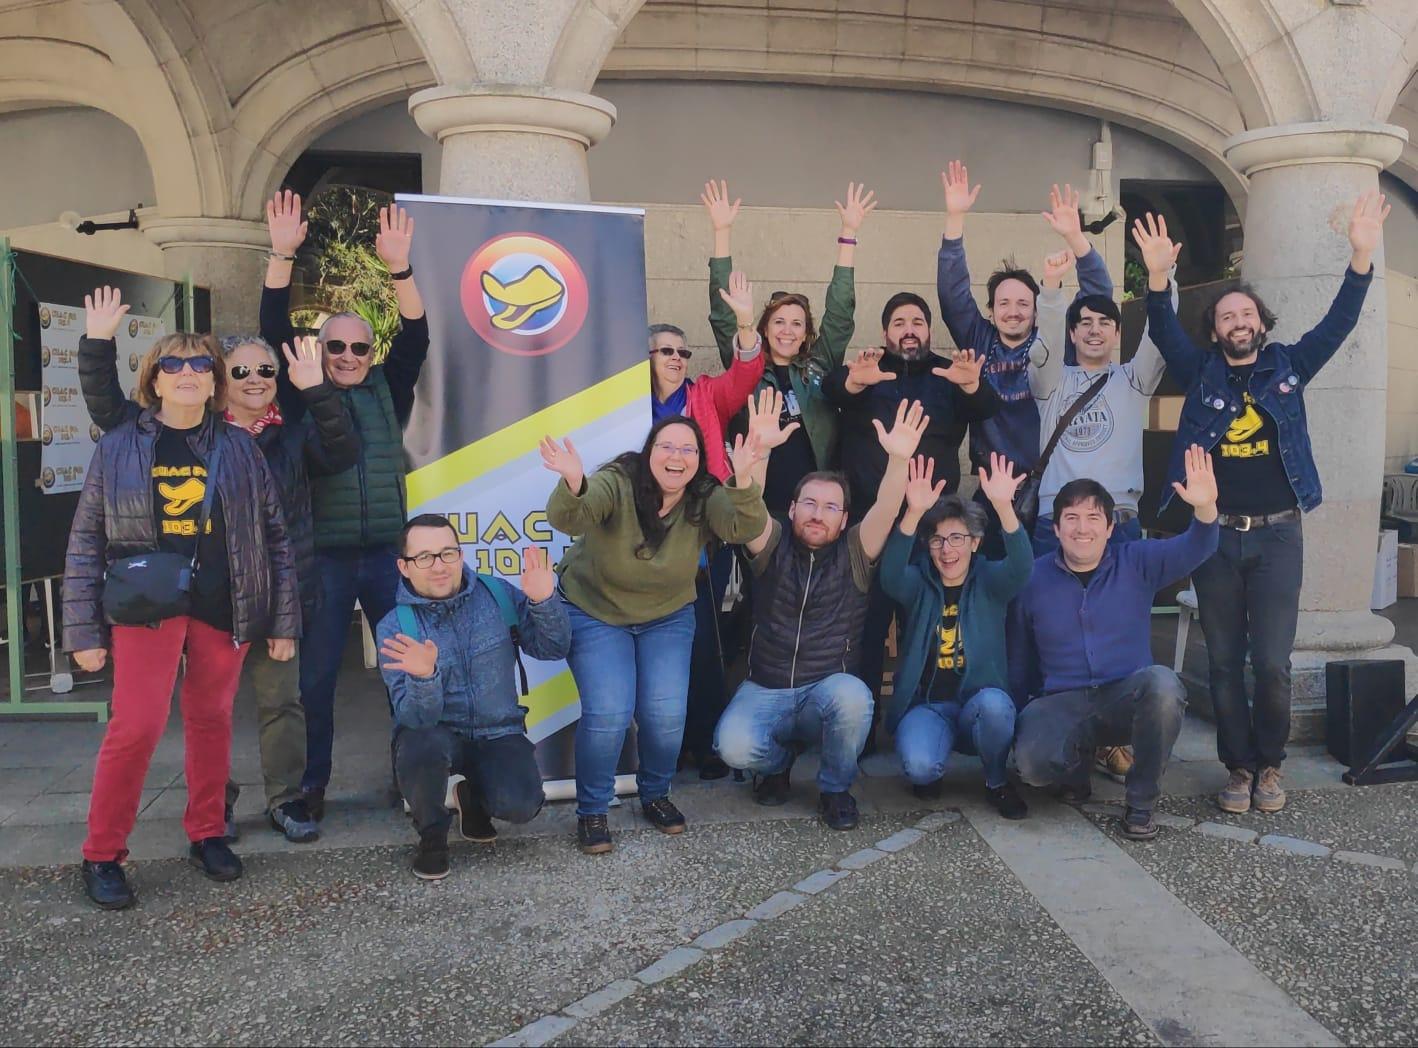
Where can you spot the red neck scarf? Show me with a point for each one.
(272, 417)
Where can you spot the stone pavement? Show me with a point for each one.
(756, 926)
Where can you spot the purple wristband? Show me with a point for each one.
(847, 240)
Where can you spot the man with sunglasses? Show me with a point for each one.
(358, 513)
(448, 659)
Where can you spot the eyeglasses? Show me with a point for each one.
(956, 540)
(451, 555)
(336, 346)
(830, 509)
(242, 371)
(687, 450)
(174, 365)
(670, 351)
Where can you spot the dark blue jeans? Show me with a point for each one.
(1248, 598)
(984, 726)
(1045, 541)
(502, 773)
(344, 575)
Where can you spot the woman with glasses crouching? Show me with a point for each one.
(146, 494)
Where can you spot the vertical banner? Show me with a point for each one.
(537, 326)
(67, 433)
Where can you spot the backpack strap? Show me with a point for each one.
(508, 610)
(408, 621)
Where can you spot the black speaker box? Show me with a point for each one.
(1362, 698)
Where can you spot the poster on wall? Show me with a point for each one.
(66, 432)
(537, 326)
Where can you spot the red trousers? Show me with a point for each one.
(144, 672)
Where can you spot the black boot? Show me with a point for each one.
(431, 859)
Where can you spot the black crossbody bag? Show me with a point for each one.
(1026, 499)
(151, 587)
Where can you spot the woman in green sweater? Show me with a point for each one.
(640, 524)
(951, 679)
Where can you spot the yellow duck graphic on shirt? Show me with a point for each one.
(182, 497)
(1246, 425)
(521, 298)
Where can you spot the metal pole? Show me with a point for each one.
(10, 473)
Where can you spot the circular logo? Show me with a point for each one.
(46, 477)
(133, 328)
(46, 394)
(48, 435)
(1090, 430)
(44, 316)
(94, 432)
(44, 356)
(524, 294)
(132, 361)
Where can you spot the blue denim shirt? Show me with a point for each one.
(473, 690)
(1277, 385)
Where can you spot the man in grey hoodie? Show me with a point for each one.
(449, 649)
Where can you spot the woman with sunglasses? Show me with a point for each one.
(952, 679)
(146, 492)
(641, 523)
(321, 442)
(799, 353)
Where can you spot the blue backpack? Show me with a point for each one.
(408, 622)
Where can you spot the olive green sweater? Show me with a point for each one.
(601, 573)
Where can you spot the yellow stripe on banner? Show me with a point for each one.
(550, 697)
(497, 449)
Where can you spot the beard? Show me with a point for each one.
(1235, 352)
(913, 350)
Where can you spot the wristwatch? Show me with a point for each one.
(403, 274)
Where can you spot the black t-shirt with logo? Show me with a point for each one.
(1250, 477)
(949, 665)
(795, 459)
(179, 485)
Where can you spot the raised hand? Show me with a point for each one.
(765, 419)
(1063, 211)
(864, 370)
(861, 202)
(715, 199)
(746, 453)
(406, 655)
(564, 460)
(284, 223)
(906, 431)
(921, 493)
(739, 297)
(1000, 482)
(1366, 226)
(396, 235)
(959, 197)
(964, 369)
(1159, 254)
(280, 649)
(91, 660)
(538, 579)
(303, 364)
(1056, 267)
(1199, 492)
(103, 312)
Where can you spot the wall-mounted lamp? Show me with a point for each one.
(89, 228)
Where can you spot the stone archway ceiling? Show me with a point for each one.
(1405, 115)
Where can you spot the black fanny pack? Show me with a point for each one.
(151, 587)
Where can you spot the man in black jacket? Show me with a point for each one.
(867, 390)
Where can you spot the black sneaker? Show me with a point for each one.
(431, 859)
(838, 810)
(929, 791)
(663, 815)
(1138, 824)
(293, 819)
(315, 803)
(215, 859)
(474, 823)
(712, 767)
(772, 790)
(593, 834)
(1007, 801)
(233, 834)
(107, 885)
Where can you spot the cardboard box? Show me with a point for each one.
(1407, 570)
(1385, 590)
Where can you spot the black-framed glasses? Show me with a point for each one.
(174, 365)
(670, 351)
(336, 346)
(243, 371)
(451, 555)
(956, 540)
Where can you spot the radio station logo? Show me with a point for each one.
(133, 328)
(44, 317)
(94, 432)
(524, 294)
(48, 435)
(44, 356)
(46, 477)
(133, 362)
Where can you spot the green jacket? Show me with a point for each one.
(984, 603)
(825, 355)
(364, 505)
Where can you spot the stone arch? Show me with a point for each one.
(440, 39)
(586, 39)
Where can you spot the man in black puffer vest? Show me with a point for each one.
(360, 512)
(809, 600)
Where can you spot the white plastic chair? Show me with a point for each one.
(1186, 611)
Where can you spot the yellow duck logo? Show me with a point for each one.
(523, 297)
(1246, 425)
(182, 497)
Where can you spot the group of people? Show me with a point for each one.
(828, 485)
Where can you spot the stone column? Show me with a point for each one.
(225, 254)
(513, 142)
(1304, 179)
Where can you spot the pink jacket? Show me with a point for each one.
(713, 400)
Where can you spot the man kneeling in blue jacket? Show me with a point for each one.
(448, 661)
(1083, 623)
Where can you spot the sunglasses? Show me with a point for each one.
(669, 351)
(174, 365)
(241, 371)
(336, 346)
